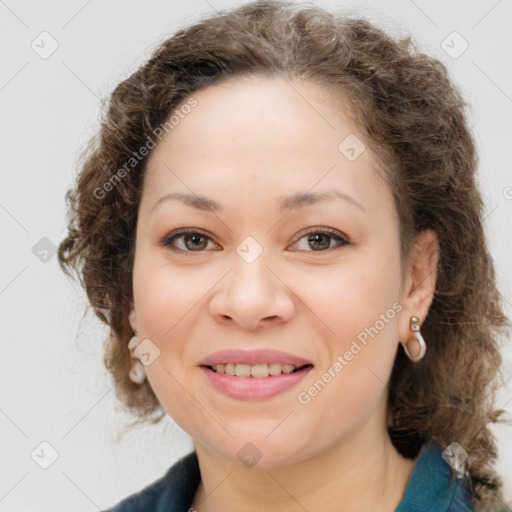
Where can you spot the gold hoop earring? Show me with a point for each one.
(418, 341)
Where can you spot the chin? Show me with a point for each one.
(260, 451)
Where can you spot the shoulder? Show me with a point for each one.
(461, 499)
(172, 492)
(434, 485)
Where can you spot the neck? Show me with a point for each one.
(363, 472)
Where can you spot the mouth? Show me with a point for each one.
(253, 382)
(253, 374)
(255, 371)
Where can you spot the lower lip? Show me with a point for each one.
(249, 388)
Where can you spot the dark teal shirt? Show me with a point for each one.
(432, 487)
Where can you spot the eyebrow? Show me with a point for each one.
(296, 201)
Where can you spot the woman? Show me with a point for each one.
(279, 223)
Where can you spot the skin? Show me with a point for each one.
(246, 143)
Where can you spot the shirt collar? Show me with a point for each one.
(431, 486)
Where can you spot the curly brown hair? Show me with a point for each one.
(411, 116)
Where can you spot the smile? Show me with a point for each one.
(242, 385)
(256, 370)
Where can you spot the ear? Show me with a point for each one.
(132, 319)
(420, 281)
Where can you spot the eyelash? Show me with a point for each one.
(167, 240)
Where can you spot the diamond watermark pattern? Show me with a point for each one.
(351, 147)
(249, 249)
(44, 45)
(146, 352)
(249, 454)
(44, 455)
(455, 455)
(454, 45)
(44, 250)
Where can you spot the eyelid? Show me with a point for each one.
(334, 233)
(166, 240)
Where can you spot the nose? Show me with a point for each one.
(251, 295)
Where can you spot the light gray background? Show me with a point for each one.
(53, 385)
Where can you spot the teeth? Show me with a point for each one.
(256, 370)
(259, 370)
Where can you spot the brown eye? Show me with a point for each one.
(190, 240)
(320, 240)
(197, 242)
(323, 240)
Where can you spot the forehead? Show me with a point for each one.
(263, 134)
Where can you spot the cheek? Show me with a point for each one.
(360, 346)
(353, 298)
(165, 299)
(358, 307)
(166, 295)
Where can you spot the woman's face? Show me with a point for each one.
(256, 274)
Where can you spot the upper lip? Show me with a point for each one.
(253, 357)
